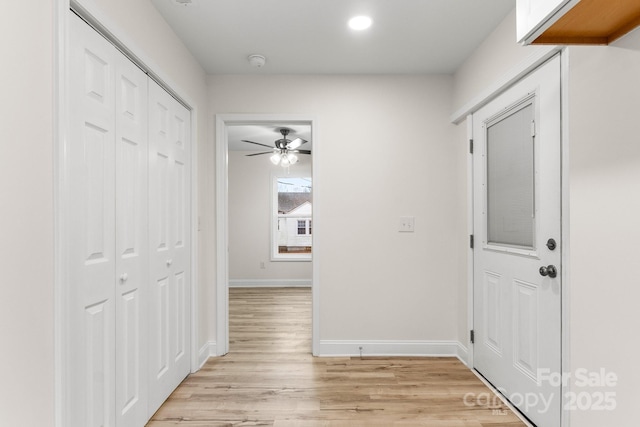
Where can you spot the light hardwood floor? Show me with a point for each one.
(269, 378)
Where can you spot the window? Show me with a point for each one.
(291, 218)
(304, 227)
(510, 179)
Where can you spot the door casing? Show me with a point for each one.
(222, 221)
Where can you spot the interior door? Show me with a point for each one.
(169, 201)
(131, 279)
(90, 201)
(517, 253)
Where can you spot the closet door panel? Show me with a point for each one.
(90, 224)
(160, 334)
(179, 143)
(168, 220)
(131, 244)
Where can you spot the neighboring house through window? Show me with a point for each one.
(292, 214)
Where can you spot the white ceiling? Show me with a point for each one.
(312, 37)
(265, 134)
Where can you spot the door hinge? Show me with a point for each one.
(471, 146)
(471, 241)
(533, 128)
(472, 336)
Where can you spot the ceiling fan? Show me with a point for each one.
(284, 152)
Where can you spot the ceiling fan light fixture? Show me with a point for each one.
(275, 159)
(360, 23)
(285, 152)
(292, 158)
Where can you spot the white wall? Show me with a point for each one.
(604, 109)
(250, 194)
(146, 32)
(604, 206)
(384, 149)
(497, 54)
(26, 177)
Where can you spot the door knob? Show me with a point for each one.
(169, 262)
(124, 277)
(549, 270)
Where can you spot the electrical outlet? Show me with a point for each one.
(407, 224)
(262, 267)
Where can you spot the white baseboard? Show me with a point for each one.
(390, 348)
(463, 354)
(269, 283)
(343, 348)
(208, 350)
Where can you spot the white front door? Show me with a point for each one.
(517, 207)
(169, 201)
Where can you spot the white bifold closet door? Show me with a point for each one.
(127, 318)
(90, 175)
(132, 253)
(107, 225)
(170, 297)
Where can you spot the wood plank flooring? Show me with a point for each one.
(269, 378)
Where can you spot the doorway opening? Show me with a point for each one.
(266, 210)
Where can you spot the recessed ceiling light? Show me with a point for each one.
(360, 23)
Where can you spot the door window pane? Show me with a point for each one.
(510, 179)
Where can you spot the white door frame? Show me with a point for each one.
(531, 63)
(222, 221)
(116, 35)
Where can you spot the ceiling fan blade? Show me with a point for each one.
(302, 151)
(258, 154)
(292, 145)
(257, 143)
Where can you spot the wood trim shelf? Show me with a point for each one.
(593, 22)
